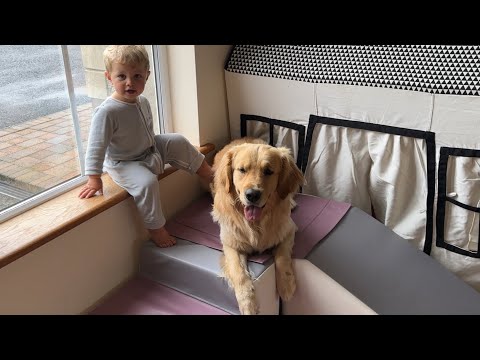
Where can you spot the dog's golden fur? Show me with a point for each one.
(252, 189)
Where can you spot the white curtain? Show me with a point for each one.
(373, 171)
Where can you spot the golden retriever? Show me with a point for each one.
(253, 190)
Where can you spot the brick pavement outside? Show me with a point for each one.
(42, 153)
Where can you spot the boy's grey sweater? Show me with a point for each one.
(119, 131)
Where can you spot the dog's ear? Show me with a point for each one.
(224, 172)
(290, 178)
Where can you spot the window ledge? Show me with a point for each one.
(36, 227)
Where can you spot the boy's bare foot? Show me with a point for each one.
(162, 238)
(205, 172)
(206, 175)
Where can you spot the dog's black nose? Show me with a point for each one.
(253, 195)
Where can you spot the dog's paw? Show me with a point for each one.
(286, 285)
(247, 303)
(248, 308)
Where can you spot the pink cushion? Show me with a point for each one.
(314, 216)
(141, 296)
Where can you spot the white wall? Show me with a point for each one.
(212, 98)
(72, 272)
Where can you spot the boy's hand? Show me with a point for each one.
(93, 185)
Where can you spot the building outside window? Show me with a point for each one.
(47, 95)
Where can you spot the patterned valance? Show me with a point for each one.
(438, 69)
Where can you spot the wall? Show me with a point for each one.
(183, 90)
(212, 100)
(71, 273)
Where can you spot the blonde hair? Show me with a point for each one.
(126, 54)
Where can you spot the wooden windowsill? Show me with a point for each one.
(35, 227)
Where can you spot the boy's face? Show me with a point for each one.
(128, 81)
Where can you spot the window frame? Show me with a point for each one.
(162, 93)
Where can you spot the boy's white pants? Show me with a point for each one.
(139, 178)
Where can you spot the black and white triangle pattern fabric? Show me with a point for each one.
(438, 69)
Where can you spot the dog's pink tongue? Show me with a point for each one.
(252, 213)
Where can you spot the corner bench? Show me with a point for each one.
(358, 267)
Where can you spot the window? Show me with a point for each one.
(47, 94)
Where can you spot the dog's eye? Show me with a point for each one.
(267, 172)
(242, 170)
